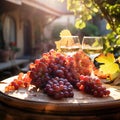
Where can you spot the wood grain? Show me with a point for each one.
(31, 101)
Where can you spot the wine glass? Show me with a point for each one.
(92, 46)
(69, 45)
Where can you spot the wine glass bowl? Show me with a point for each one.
(69, 45)
(92, 46)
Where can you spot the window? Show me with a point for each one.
(9, 30)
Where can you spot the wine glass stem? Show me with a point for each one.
(92, 56)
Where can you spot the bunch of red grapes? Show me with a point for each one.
(22, 81)
(92, 86)
(57, 74)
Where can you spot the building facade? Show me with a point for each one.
(22, 23)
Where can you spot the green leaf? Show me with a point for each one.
(108, 26)
(95, 9)
(80, 24)
(118, 30)
(89, 4)
(89, 17)
(118, 40)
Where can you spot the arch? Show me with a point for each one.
(9, 30)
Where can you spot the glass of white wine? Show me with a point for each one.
(69, 45)
(92, 46)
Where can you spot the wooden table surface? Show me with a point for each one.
(30, 102)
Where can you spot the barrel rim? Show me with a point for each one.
(57, 108)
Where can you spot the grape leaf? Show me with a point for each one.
(108, 26)
(109, 66)
(80, 24)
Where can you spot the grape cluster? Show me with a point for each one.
(92, 86)
(59, 88)
(57, 74)
(51, 65)
(22, 81)
(55, 68)
(83, 63)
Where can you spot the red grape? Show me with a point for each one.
(59, 88)
(57, 74)
(92, 86)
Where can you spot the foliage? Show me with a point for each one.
(112, 42)
(84, 10)
(111, 11)
(90, 30)
(58, 28)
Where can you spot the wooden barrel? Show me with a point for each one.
(28, 104)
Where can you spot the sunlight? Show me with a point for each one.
(21, 94)
(114, 92)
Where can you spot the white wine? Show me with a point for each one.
(93, 52)
(92, 46)
(69, 50)
(90, 51)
